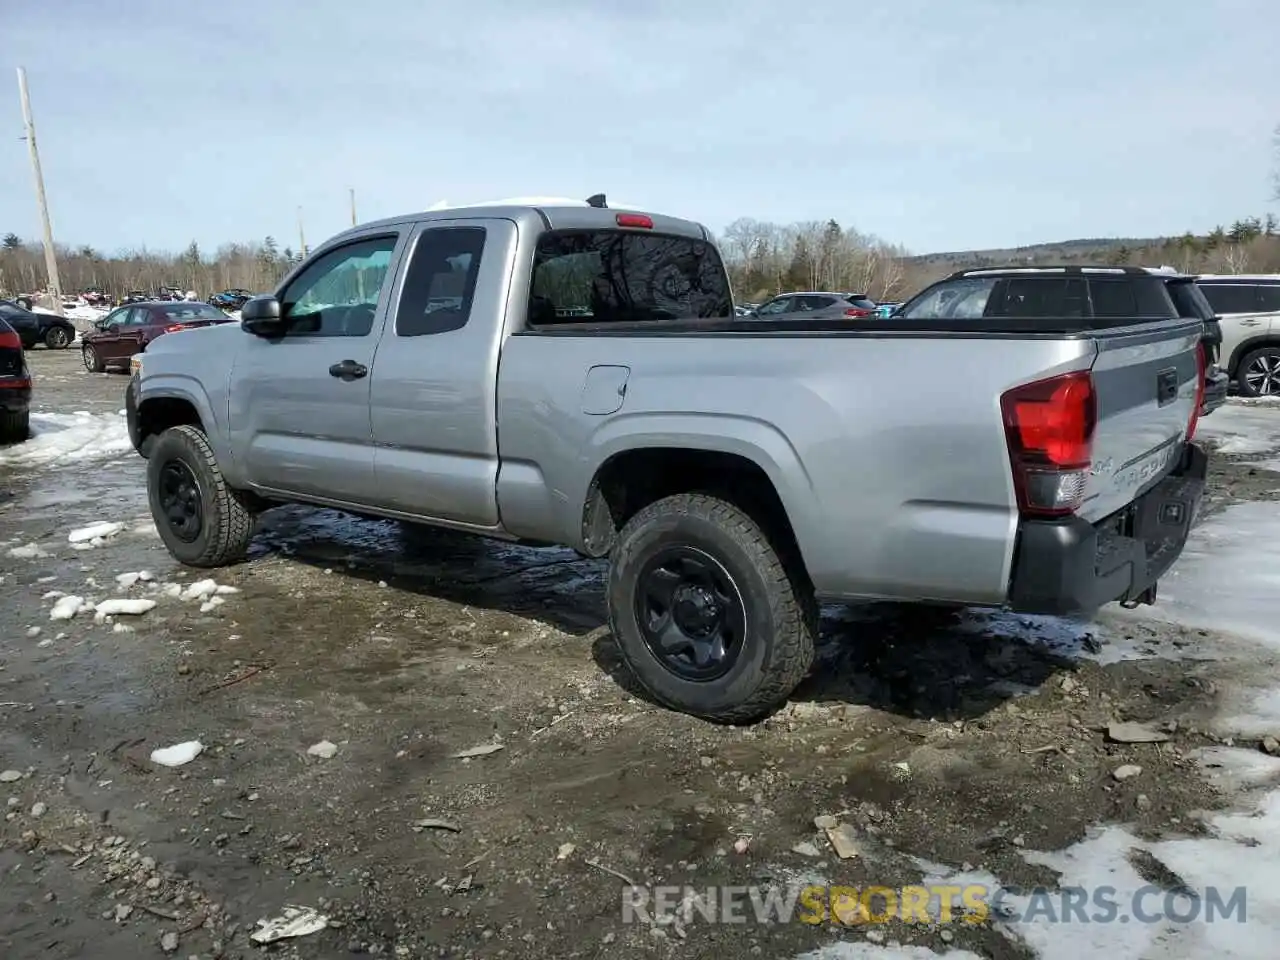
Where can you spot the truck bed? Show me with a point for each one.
(886, 444)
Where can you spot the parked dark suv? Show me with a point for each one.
(1095, 294)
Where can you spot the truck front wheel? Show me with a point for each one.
(708, 615)
(202, 520)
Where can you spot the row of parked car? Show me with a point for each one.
(1246, 309)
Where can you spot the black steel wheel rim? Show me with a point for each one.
(90, 360)
(179, 495)
(58, 337)
(691, 613)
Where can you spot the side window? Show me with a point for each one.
(138, 317)
(1231, 297)
(775, 307)
(120, 317)
(1026, 297)
(963, 299)
(1130, 297)
(440, 282)
(1269, 297)
(815, 303)
(337, 294)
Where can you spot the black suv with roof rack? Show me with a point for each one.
(1096, 296)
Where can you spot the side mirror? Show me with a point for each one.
(261, 316)
(114, 328)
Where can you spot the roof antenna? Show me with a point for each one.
(597, 201)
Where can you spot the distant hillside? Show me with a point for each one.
(1065, 251)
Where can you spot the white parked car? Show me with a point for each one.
(1248, 307)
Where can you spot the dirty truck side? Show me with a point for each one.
(573, 375)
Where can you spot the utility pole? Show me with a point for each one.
(302, 237)
(353, 206)
(50, 257)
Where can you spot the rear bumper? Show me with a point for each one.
(1071, 566)
(1215, 391)
(15, 399)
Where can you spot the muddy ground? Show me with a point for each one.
(941, 738)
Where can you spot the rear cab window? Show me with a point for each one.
(862, 303)
(618, 276)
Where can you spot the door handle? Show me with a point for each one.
(348, 370)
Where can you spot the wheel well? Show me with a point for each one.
(630, 481)
(1247, 348)
(158, 414)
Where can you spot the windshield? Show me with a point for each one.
(594, 276)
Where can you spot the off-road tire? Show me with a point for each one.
(228, 519)
(1242, 384)
(14, 427)
(781, 614)
(92, 362)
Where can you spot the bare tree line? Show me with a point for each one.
(252, 266)
(763, 259)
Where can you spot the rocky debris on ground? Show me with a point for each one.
(1126, 771)
(1135, 733)
(325, 750)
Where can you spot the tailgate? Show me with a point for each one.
(1146, 381)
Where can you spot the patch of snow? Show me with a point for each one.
(1235, 769)
(95, 531)
(1228, 577)
(1243, 427)
(1243, 852)
(211, 604)
(857, 950)
(31, 551)
(200, 590)
(64, 608)
(69, 438)
(122, 605)
(178, 754)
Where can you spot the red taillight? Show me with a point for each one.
(175, 327)
(1202, 368)
(1049, 430)
(858, 312)
(19, 384)
(11, 340)
(634, 220)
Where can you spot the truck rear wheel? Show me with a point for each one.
(708, 615)
(203, 521)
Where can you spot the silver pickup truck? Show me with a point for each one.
(575, 374)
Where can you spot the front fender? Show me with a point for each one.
(184, 387)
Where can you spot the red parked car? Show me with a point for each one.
(126, 331)
(15, 387)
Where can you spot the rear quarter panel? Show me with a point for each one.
(887, 451)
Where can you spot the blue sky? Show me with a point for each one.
(938, 124)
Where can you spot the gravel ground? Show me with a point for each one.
(941, 738)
